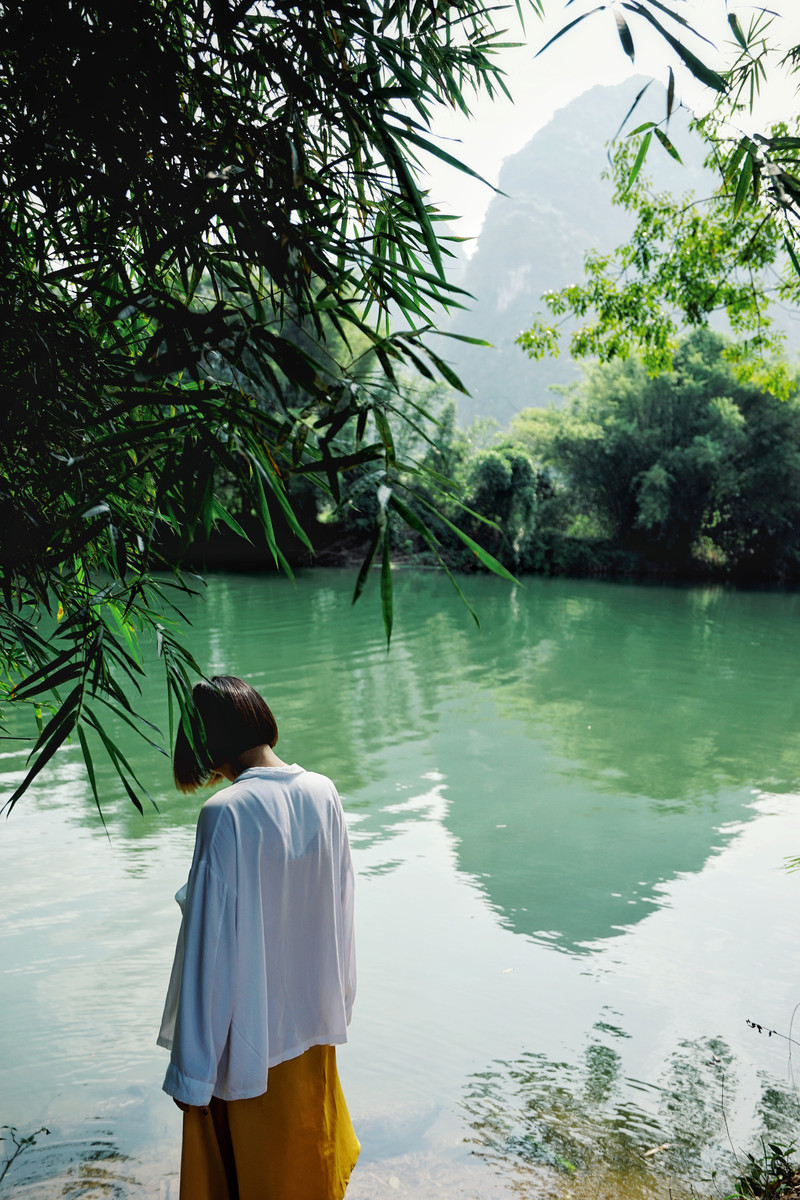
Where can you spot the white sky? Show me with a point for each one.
(588, 55)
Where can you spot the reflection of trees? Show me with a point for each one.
(88, 1167)
(609, 729)
(344, 706)
(612, 730)
(589, 1121)
(666, 693)
(779, 1113)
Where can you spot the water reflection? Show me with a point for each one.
(593, 740)
(611, 1135)
(92, 1168)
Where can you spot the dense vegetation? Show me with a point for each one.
(691, 472)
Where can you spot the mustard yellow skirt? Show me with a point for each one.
(296, 1142)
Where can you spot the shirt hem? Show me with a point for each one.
(250, 1091)
(322, 1039)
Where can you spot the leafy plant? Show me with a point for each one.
(20, 1144)
(208, 211)
(769, 1176)
(662, 465)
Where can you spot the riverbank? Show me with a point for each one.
(552, 555)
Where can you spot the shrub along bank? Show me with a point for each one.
(689, 474)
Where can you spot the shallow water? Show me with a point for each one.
(569, 829)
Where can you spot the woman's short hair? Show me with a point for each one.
(231, 718)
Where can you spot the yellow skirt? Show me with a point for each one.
(296, 1142)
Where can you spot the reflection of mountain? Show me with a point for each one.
(590, 741)
(613, 732)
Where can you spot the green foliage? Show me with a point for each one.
(769, 1176)
(20, 1142)
(502, 486)
(686, 261)
(690, 258)
(661, 466)
(480, 491)
(672, 30)
(207, 211)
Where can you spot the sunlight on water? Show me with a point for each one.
(569, 829)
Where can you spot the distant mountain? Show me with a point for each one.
(556, 207)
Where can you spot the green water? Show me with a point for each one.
(569, 828)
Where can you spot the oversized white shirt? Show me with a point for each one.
(265, 962)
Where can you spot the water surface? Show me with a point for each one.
(569, 829)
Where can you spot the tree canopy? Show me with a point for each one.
(731, 252)
(690, 469)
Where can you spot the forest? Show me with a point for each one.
(689, 473)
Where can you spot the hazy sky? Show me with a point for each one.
(589, 54)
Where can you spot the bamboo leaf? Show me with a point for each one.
(385, 432)
(637, 165)
(674, 16)
(566, 28)
(276, 487)
(698, 68)
(87, 758)
(442, 155)
(65, 723)
(792, 255)
(733, 21)
(120, 763)
(369, 559)
(483, 556)
(732, 166)
(220, 513)
(387, 603)
(460, 594)
(344, 462)
(743, 185)
(41, 682)
(667, 144)
(624, 34)
(413, 521)
(65, 714)
(631, 110)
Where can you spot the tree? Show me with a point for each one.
(206, 205)
(502, 486)
(693, 454)
(690, 258)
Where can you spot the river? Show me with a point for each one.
(570, 830)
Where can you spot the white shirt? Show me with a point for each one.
(265, 962)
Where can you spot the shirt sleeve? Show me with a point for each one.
(205, 999)
(348, 926)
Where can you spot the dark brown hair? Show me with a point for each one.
(231, 717)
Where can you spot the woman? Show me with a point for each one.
(263, 981)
